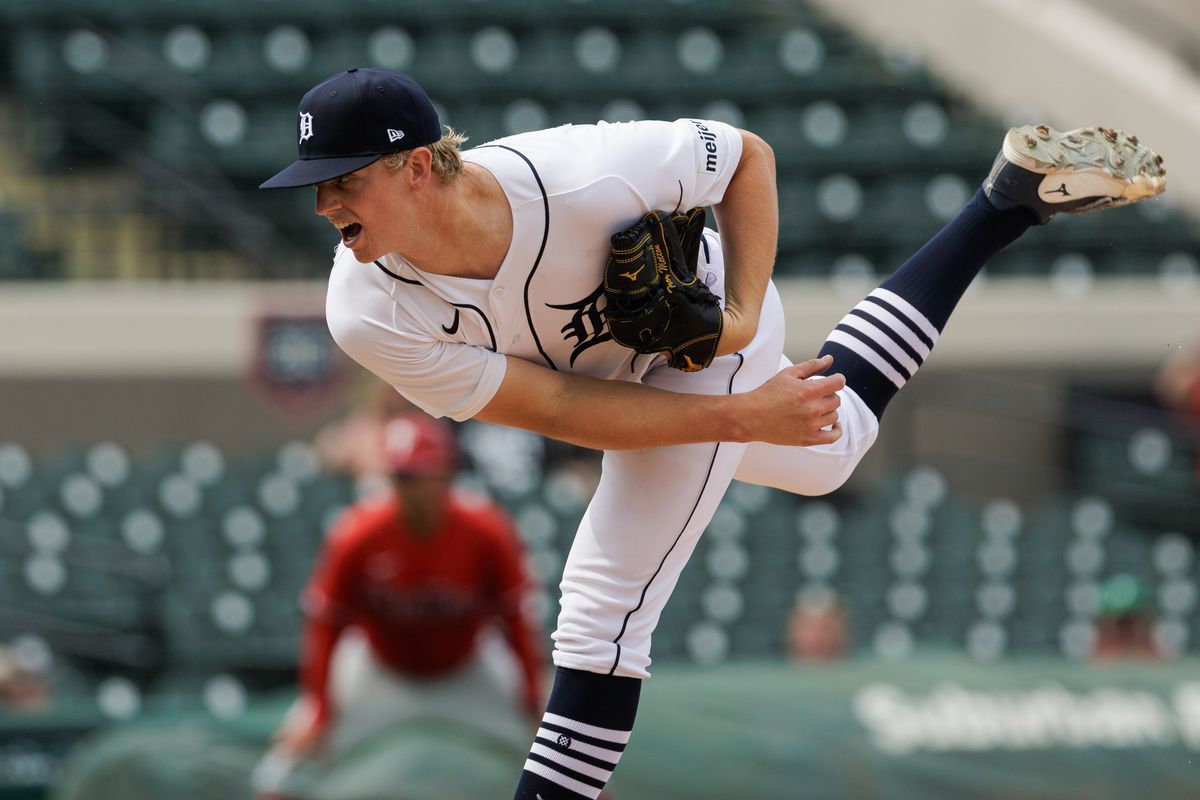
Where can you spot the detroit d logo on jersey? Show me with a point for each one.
(306, 126)
(587, 327)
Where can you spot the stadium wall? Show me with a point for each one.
(146, 363)
(81, 330)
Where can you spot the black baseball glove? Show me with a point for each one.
(656, 304)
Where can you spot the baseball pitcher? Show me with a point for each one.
(564, 281)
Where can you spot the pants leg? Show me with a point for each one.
(645, 518)
(370, 698)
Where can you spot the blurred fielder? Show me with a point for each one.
(400, 627)
(563, 281)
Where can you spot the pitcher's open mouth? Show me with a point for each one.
(349, 232)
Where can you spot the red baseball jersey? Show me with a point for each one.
(420, 601)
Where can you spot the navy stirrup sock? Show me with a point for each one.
(587, 724)
(886, 338)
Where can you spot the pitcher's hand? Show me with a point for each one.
(795, 408)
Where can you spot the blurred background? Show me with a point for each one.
(1002, 598)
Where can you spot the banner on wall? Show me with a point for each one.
(926, 729)
(931, 728)
(297, 369)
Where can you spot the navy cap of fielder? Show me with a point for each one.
(352, 119)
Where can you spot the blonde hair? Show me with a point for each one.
(447, 160)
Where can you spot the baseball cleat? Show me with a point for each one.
(1049, 172)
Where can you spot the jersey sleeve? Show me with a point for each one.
(392, 340)
(327, 606)
(680, 164)
(320, 639)
(327, 595)
(716, 152)
(513, 586)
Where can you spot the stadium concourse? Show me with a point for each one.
(166, 371)
(873, 153)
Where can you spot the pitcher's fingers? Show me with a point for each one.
(822, 422)
(813, 366)
(827, 435)
(825, 384)
(827, 404)
(828, 420)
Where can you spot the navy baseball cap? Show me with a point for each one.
(352, 119)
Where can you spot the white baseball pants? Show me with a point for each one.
(651, 506)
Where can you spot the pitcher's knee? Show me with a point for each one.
(826, 483)
(577, 650)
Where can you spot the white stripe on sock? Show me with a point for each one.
(573, 764)
(870, 356)
(612, 756)
(897, 326)
(909, 310)
(595, 731)
(554, 776)
(884, 341)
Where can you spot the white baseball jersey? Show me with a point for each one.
(441, 340)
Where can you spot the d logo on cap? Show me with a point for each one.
(306, 130)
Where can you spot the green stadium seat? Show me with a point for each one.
(16, 260)
(237, 66)
(1140, 464)
(504, 66)
(268, 144)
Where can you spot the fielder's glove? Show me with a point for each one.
(656, 304)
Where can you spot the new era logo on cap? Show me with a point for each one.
(395, 135)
